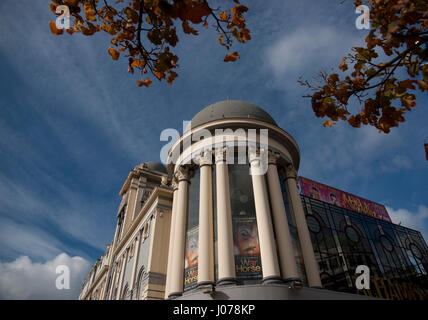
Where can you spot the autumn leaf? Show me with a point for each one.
(223, 16)
(188, 29)
(378, 82)
(147, 82)
(54, 29)
(230, 57)
(220, 39)
(159, 75)
(343, 66)
(138, 63)
(114, 53)
(146, 31)
(327, 123)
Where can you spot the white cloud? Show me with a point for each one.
(399, 162)
(309, 46)
(27, 280)
(415, 220)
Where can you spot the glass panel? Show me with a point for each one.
(244, 225)
(191, 249)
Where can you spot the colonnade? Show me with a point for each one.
(276, 250)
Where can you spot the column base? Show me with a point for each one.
(294, 282)
(226, 281)
(207, 287)
(316, 287)
(175, 295)
(205, 283)
(272, 279)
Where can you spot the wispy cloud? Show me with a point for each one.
(308, 50)
(397, 163)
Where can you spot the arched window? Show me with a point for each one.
(125, 293)
(139, 284)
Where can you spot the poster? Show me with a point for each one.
(342, 199)
(247, 249)
(191, 258)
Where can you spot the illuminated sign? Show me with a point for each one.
(342, 199)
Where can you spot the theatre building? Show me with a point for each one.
(228, 217)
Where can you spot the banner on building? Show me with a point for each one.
(247, 249)
(191, 258)
(342, 199)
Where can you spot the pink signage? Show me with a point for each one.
(342, 199)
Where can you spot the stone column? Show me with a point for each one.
(171, 237)
(135, 264)
(177, 265)
(122, 275)
(110, 275)
(226, 257)
(114, 266)
(206, 221)
(287, 258)
(269, 258)
(311, 266)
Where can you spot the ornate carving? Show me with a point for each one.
(222, 154)
(256, 153)
(164, 180)
(174, 183)
(290, 172)
(273, 157)
(184, 172)
(258, 158)
(204, 158)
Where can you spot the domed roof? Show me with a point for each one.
(231, 109)
(153, 165)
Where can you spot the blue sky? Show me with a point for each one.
(73, 123)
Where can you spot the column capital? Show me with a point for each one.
(258, 158)
(204, 158)
(184, 173)
(256, 153)
(174, 183)
(273, 157)
(222, 153)
(290, 172)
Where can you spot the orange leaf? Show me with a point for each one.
(327, 123)
(343, 66)
(232, 57)
(159, 75)
(220, 39)
(147, 82)
(138, 63)
(223, 16)
(54, 29)
(114, 53)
